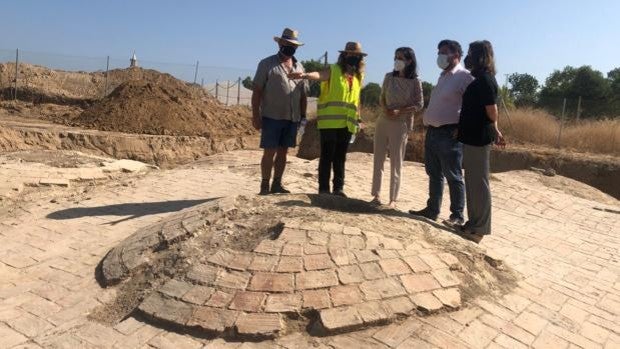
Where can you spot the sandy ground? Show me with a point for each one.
(563, 248)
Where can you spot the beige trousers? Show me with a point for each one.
(390, 137)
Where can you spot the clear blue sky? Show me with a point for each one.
(529, 36)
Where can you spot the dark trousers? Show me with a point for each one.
(334, 145)
(443, 156)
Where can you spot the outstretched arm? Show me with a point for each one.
(322, 75)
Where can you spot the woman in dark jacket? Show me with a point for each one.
(478, 130)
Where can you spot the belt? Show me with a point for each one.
(442, 127)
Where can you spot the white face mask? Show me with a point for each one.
(442, 61)
(399, 65)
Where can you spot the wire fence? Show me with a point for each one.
(47, 77)
(564, 123)
(43, 77)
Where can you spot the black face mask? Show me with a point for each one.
(288, 51)
(467, 62)
(353, 60)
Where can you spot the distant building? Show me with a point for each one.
(133, 62)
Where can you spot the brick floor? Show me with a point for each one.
(565, 251)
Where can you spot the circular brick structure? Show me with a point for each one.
(261, 267)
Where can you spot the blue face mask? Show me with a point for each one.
(288, 51)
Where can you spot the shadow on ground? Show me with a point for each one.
(351, 205)
(132, 210)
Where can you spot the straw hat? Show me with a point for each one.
(354, 47)
(288, 36)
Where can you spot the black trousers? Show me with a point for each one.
(334, 146)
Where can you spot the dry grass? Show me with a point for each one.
(538, 127)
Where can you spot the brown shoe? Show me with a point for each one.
(468, 234)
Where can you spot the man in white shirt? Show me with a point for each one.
(443, 154)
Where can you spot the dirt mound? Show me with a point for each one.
(160, 104)
(38, 84)
(43, 85)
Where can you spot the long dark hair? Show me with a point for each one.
(359, 70)
(411, 70)
(481, 58)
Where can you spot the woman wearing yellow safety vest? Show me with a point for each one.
(338, 115)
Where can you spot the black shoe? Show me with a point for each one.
(340, 193)
(264, 188)
(423, 213)
(277, 188)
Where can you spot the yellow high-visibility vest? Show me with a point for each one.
(337, 106)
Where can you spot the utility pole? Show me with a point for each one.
(196, 72)
(561, 122)
(16, 72)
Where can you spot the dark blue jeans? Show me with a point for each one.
(443, 156)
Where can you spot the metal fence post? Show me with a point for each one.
(561, 122)
(202, 82)
(105, 85)
(239, 91)
(579, 108)
(16, 73)
(217, 89)
(227, 90)
(196, 72)
(506, 111)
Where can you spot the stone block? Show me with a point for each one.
(213, 319)
(316, 279)
(316, 299)
(285, 302)
(290, 265)
(426, 302)
(415, 283)
(345, 295)
(340, 319)
(318, 262)
(350, 274)
(450, 297)
(272, 282)
(247, 301)
(259, 325)
(394, 266)
(382, 289)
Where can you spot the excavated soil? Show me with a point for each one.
(141, 101)
(165, 106)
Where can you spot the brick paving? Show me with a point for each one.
(564, 248)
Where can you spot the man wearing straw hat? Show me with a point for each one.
(278, 105)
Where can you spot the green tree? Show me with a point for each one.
(370, 94)
(427, 88)
(572, 83)
(614, 81)
(312, 66)
(614, 86)
(506, 96)
(523, 89)
(248, 83)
